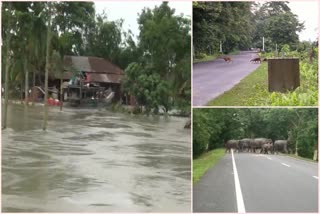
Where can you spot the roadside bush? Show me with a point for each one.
(200, 55)
(305, 95)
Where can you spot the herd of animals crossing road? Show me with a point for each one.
(257, 59)
(262, 145)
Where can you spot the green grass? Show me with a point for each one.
(298, 157)
(245, 92)
(205, 162)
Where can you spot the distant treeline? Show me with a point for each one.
(241, 26)
(157, 65)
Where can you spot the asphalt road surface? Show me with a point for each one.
(268, 183)
(211, 79)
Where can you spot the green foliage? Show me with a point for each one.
(213, 127)
(307, 93)
(105, 39)
(160, 75)
(147, 87)
(228, 22)
(275, 22)
(162, 52)
(253, 90)
(241, 25)
(201, 132)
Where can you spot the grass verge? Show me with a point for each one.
(245, 92)
(300, 158)
(205, 162)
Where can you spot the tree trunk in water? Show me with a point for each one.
(6, 87)
(33, 87)
(45, 116)
(61, 94)
(26, 84)
(21, 92)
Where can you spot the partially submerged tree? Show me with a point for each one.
(7, 64)
(45, 116)
(161, 75)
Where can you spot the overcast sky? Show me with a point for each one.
(307, 11)
(128, 11)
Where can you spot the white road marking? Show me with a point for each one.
(264, 156)
(240, 203)
(315, 177)
(285, 164)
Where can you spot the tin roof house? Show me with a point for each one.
(91, 79)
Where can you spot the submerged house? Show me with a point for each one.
(90, 78)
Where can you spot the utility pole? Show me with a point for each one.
(263, 43)
(220, 47)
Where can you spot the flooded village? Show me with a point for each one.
(95, 117)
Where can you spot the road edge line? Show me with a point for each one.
(285, 165)
(240, 203)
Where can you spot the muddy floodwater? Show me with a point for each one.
(92, 160)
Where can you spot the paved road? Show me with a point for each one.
(269, 183)
(211, 79)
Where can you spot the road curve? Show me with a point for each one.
(211, 79)
(269, 183)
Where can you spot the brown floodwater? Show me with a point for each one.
(93, 160)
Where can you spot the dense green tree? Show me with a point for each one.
(164, 45)
(73, 21)
(241, 25)
(148, 88)
(7, 11)
(201, 134)
(276, 22)
(105, 39)
(162, 51)
(228, 22)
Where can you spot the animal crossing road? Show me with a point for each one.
(211, 79)
(269, 183)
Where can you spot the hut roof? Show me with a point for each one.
(99, 69)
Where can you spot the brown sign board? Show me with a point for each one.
(283, 74)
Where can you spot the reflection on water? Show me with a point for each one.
(93, 160)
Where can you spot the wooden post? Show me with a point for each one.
(61, 92)
(283, 74)
(26, 83)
